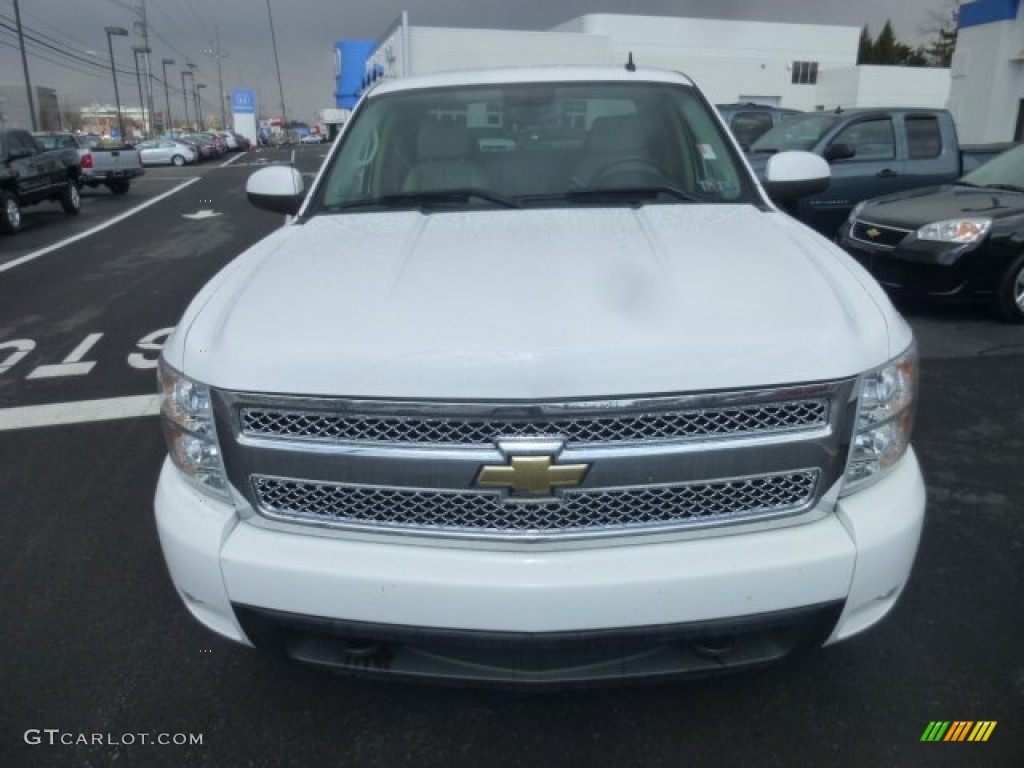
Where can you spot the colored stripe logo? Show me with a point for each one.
(958, 730)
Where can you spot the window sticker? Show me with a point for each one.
(707, 152)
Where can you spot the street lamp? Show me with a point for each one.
(199, 111)
(168, 125)
(120, 32)
(137, 49)
(184, 98)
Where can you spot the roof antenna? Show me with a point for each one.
(630, 66)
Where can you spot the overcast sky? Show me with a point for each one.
(306, 31)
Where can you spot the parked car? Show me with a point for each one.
(585, 408)
(112, 166)
(167, 152)
(220, 145)
(872, 152)
(748, 121)
(30, 175)
(959, 242)
(312, 138)
(204, 145)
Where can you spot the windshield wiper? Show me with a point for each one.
(1007, 187)
(962, 183)
(426, 199)
(626, 194)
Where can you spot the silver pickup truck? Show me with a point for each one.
(110, 166)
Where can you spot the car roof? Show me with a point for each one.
(508, 75)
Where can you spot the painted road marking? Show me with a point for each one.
(72, 365)
(98, 228)
(81, 412)
(226, 163)
(203, 213)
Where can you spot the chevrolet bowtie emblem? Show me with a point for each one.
(873, 233)
(531, 475)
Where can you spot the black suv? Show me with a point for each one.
(748, 121)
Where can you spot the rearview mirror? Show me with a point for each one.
(789, 176)
(279, 189)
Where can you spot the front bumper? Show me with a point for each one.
(936, 271)
(648, 610)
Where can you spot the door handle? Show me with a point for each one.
(888, 173)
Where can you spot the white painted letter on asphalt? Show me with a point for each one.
(152, 342)
(72, 365)
(21, 348)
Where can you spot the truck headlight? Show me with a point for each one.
(955, 230)
(885, 420)
(186, 414)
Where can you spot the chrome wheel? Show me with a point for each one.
(11, 214)
(1009, 299)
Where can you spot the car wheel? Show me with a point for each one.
(120, 186)
(10, 213)
(71, 199)
(1010, 294)
(178, 160)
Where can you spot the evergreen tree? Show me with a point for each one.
(865, 48)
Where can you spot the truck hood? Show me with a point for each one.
(513, 304)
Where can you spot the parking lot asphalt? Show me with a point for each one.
(99, 652)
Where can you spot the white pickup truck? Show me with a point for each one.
(538, 387)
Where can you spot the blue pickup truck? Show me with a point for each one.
(872, 152)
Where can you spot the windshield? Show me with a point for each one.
(1006, 170)
(801, 132)
(533, 144)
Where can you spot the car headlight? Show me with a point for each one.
(955, 230)
(885, 420)
(186, 414)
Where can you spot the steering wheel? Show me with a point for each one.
(631, 168)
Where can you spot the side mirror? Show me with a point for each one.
(839, 152)
(789, 176)
(279, 189)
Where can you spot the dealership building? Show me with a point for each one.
(800, 66)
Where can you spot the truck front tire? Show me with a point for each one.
(71, 199)
(10, 213)
(1010, 294)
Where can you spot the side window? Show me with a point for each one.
(871, 139)
(924, 139)
(747, 127)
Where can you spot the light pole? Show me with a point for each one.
(277, 63)
(199, 111)
(120, 32)
(168, 125)
(184, 98)
(146, 117)
(24, 66)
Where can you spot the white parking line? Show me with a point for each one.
(229, 162)
(99, 227)
(81, 412)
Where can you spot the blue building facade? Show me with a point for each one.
(350, 63)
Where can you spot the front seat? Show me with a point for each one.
(445, 159)
(615, 144)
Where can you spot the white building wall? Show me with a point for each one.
(440, 49)
(877, 86)
(731, 61)
(988, 80)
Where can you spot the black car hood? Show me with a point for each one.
(915, 208)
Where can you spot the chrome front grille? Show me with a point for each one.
(579, 429)
(664, 463)
(610, 511)
(876, 234)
